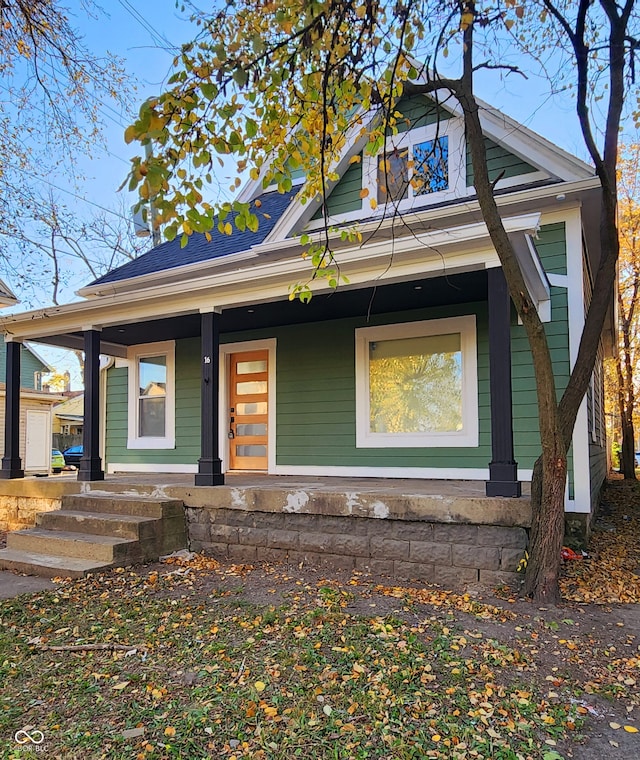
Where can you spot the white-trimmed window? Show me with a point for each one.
(152, 396)
(417, 384)
(418, 167)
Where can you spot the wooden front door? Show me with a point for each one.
(248, 409)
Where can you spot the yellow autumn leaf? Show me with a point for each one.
(364, 192)
(259, 686)
(169, 731)
(436, 738)
(130, 134)
(631, 729)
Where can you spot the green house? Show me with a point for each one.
(417, 368)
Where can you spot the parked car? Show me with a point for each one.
(73, 455)
(58, 462)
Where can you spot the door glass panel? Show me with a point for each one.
(251, 386)
(245, 368)
(255, 407)
(252, 450)
(255, 428)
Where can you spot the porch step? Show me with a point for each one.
(48, 566)
(123, 504)
(60, 543)
(98, 523)
(94, 532)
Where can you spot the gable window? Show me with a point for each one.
(416, 384)
(152, 396)
(419, 167)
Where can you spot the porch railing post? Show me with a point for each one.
(91, 465)
(209, 465)
(503, 468)
(11, 462)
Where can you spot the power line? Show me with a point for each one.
(158, 38)
(68, 192)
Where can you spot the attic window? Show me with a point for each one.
(421, 166)
(418, 169)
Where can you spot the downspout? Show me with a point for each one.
(106, 362)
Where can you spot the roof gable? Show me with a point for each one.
(516, 155)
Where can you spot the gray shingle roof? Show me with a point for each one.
(170, 255)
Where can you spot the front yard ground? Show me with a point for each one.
(196, 659)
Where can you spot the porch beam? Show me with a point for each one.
(503, 468)
(11, 462)
(91, 465)
(210, 465)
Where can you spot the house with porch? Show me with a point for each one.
(416, 369)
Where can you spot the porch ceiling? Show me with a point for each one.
(459, 288)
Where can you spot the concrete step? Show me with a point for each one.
(48, 566)
(123, 504)
(99, 549)
(100, 524)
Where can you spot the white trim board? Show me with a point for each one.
(418, 473)
(147, 467)
(576, 306)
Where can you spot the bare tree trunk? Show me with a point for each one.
(626, 394)
(547, 529)
(628, 454)
(547, 534)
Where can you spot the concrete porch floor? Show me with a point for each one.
(417, 486)
(444, 501)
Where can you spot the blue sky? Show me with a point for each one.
(143, 31)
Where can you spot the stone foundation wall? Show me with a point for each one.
(21, 500)
(430, 552)
(17, 512)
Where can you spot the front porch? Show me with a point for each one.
(446, 532)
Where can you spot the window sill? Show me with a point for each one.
(416, 441)
(151, 443)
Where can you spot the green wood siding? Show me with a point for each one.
(316, 397)
(29, 365)
(597, 470)
(419, 111)
(345, 196)
(187, 381)
(552, 249)
(499, 160)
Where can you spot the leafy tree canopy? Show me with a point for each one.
(282, 86)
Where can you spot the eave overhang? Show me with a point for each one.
(384, 260)
(446, 215)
